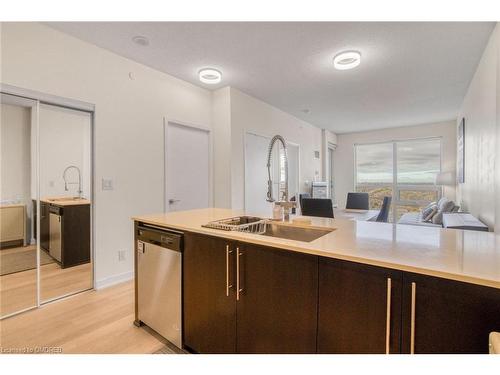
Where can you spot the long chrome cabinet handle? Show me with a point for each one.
(238, 289)
(388, 318)
(412, 332)
(228, 286)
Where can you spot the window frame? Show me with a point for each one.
(396, 188)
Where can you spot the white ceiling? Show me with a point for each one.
(411, 73)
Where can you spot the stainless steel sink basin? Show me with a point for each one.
(296, 233)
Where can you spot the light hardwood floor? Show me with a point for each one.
(90, 322)
(18, 290)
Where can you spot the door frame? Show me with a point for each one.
(68, 103)
(330, 170)
(245, 152)
(168, 121)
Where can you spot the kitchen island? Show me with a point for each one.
(65, 226)
(364, 287)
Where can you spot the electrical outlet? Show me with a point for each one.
(121, 255)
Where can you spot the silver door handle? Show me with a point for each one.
(388, 318)
(412, 332)
(238, 289)
(172, 201)
(228, 286)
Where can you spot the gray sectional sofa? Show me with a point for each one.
(444, 205)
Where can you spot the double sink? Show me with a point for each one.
(271, 228)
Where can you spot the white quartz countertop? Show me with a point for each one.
(65, 201)
(468, 256)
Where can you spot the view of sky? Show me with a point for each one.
(418, 162)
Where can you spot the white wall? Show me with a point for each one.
(15, 156)
(249, 114)
(129, 145)
(221, 123)
(344, 167)
(480, 192)
(15, 130)
(64, 140)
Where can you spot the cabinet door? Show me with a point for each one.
(353, 314)
(75, 235)
(450, 316)
(277, 306)
(44, 226)
(209, 306)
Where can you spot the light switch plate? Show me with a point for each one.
(107, 184)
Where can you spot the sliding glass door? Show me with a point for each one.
(405, 170)
(418, 162)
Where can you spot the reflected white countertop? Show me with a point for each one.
(468, 256)
(65, 201)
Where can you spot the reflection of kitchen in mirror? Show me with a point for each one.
(18, 250)
(65, 206)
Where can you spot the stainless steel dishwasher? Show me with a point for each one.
(55, 237)
(159, 281)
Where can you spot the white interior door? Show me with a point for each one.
(188, 167)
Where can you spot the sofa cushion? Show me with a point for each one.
(428, 209)
(415, 218)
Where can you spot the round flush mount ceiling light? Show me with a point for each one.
(210, 76)
(347, 60)
(140, 40)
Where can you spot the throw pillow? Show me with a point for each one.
(445, 205)
(438, 218)
(429, 206)
(430, 215)
(427, 210)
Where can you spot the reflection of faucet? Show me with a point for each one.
(66, 183)
(284, 199)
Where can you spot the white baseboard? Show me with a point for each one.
(113, 280)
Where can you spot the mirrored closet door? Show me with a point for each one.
(45, 202)
(65, 201)
(18, 194)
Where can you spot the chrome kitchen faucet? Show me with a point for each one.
(66, 183)
(284, 202)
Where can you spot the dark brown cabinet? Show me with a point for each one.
(244, 298)
(75, 235)
(209, 302)
(359, 309)
(275, 310)
(448, 316)
(72, 235)
(277, 306)
(44, 226)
